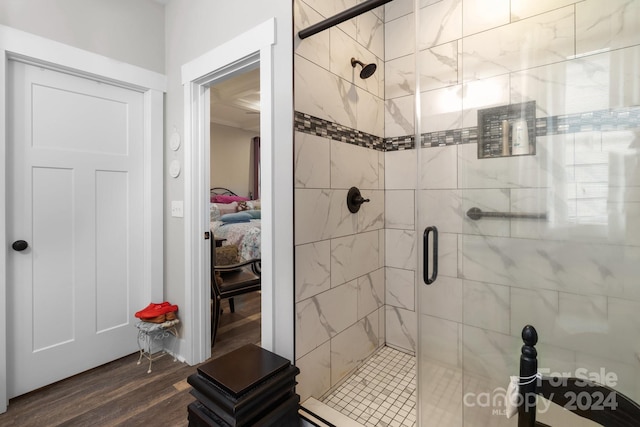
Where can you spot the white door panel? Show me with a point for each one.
(52, 290)
(112, 284)
(75, 151)
(105, 120)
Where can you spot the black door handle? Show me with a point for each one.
(425, 255)
(19, 245)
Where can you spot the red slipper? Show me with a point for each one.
(170, 309)
(154, 310)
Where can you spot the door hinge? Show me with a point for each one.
(206, 235)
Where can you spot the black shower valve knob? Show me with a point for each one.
(355, 200)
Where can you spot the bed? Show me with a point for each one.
(236, 220)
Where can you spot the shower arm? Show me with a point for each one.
(352, 12)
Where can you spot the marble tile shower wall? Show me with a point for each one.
(340, 318)
(574, 276)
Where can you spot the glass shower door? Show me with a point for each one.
(561, 251)
(439, 310)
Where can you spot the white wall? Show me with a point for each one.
(131, 31)
(194, 27)
(231, 159)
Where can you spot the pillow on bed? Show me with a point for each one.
(219, 209)
(236, 217)
(253, 214)
(254, 204)
(214, 212)
(225, 198)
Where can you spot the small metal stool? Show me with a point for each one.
(148, 333)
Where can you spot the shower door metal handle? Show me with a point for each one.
(425, 255)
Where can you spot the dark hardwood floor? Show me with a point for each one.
(121, 393)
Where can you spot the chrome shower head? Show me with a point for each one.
(367, 70)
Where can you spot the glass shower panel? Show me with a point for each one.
(572, 267)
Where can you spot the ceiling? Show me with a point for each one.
(235, 102)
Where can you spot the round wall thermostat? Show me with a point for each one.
(174, 143)
(174, 169)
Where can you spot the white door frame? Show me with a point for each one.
(238, 55)
(40, 51)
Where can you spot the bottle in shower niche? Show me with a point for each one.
(520, 138)
(506, 146)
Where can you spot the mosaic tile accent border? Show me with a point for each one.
(600, 121)
(398, 143)
(450, 137)
(315, 126)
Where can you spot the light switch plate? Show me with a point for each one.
(177, 209)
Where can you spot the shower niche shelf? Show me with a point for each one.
(507, 130)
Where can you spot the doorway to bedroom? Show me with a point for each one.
(234, 172)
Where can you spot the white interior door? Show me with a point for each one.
(75, 156)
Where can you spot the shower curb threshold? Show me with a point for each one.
(319, 414)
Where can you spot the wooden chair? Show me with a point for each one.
(233, 279)
(598, 403)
